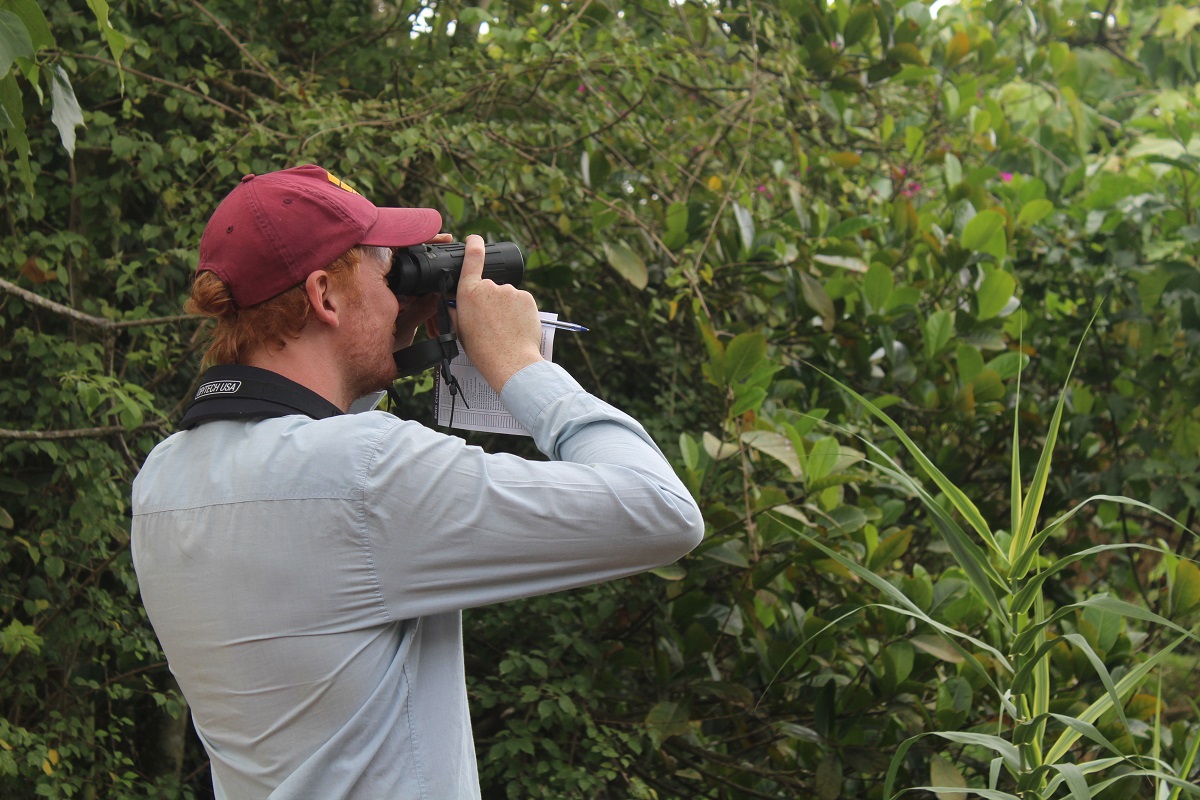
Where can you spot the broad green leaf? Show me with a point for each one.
(817, 299)
(995, 292)
(628, 264)
(34, 20)
(116, 41)
(54, 567)
(898, 662)
(914, 140)
(1185, 590)
(938, 330)
(727, 553)
(944, 775)
(665, 720)
(6, 520)
(66, 114)
(842, 262)
(743, 354)
(1033, 212)
(860, 23)
(907, 53)
(957, 48)
(849, 227)
(985, 234)
(14, 40)
(716, 449)
(937, 647)
(892, 547)
(690, 450)
(829, 778)
(775, 445)
(716, 353)
(671, 572)
(970, 362)
(1008, 365)
(455, 205)
(822, 457)
(746, 399)
(877, 286)
(952, 169)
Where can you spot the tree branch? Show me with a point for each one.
(96, 322)
(75, 433)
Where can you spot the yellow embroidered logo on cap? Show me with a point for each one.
(341, 184)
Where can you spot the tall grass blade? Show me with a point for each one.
(1015, 485)
(1032, 504)
(1009, 755)
(971, 558)
(1076, 782)
(959, 500)
(1025, 560)
(1025, 640)
(1123, 688)
(909, 609)
(1032, 589)
(1189, 760)
(1041, 685)
(1181, 785)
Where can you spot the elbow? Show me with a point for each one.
(686, 532)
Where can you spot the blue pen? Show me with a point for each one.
(549, 323)
(564, 326)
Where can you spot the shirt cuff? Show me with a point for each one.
(527, 393)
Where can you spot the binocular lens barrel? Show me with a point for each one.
(418, 270)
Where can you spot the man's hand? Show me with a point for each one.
(498, 324)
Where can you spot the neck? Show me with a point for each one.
(308, 366)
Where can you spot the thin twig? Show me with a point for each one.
(155, 79)
(249, 56)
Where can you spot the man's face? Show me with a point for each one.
(371, 325)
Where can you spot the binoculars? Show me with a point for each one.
(419, 270)
(430, 268)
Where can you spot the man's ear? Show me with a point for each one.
(323, 298)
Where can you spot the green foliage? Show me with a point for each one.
(735, 199)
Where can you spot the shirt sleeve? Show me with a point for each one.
(450, 526)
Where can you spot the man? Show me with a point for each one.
(305, 569)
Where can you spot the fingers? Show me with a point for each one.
(472, 268)
(414, 312)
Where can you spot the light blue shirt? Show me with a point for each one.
(306, 578)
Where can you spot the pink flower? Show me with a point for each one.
(582, 88)
(1006, 176)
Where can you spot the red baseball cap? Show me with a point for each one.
(274, 230)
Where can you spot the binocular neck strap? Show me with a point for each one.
(449, 348)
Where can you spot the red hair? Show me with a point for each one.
(271, 323)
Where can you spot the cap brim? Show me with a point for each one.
(403, 227)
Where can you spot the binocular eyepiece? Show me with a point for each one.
(418, 270)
